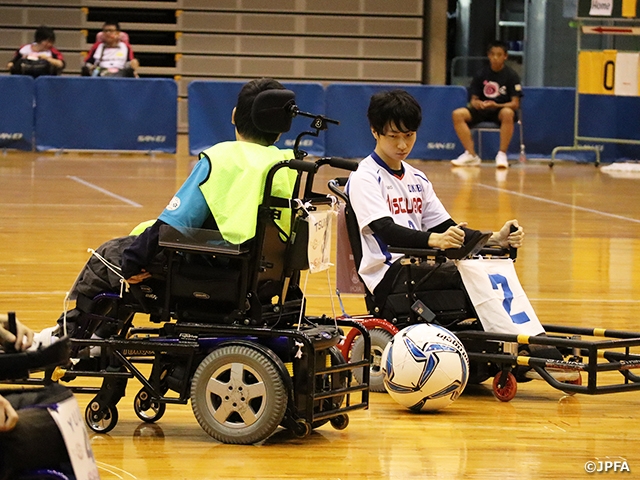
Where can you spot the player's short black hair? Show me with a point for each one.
(499, 44)
(44, 33)
(243, 121)
(397, 107)
(112, 23)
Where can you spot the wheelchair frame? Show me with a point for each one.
(317, 381)
(271, 353)
(497, 354)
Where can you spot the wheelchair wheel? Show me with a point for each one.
(506, 392)
(340, 422)
(577, 381)
(331, 382)
(379, 340)
(101, 420)
(146, 409)
(237, 395)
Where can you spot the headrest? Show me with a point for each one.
(273, 110)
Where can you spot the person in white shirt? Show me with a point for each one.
(396, 205)
(38, 58)
(110, 57)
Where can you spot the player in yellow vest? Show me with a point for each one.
(224, 189)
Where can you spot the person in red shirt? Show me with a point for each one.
(38, 58)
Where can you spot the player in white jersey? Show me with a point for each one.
(38, 58)
(395, 204)
(110, 57)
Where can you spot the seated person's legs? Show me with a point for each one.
(21, 446)
(463, 120)
(439, 287)
(506, 118)
(94, 278)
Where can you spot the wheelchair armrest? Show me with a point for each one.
(423, 253)
(198, 240)
(18, 365)
(469, 249)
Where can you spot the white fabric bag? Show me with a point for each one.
(500, 302)
(319, 247)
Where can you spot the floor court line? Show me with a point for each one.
(560, 204)
(112, 469)
(102, 190)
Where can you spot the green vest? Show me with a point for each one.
(141, 227)
(235, 186)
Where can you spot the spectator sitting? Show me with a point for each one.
(495, 97)
(38, 58)
(110, 57)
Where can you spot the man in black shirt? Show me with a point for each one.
(495, 97)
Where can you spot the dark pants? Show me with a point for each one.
(490, 115)
(439, 287)
(36, 442)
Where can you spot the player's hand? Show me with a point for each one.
(477, 104)
(23, 338)
(506, 238)
(140, 277)
(8, 416)
(452, 238)
(490, 104)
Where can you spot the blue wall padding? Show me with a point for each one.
(211, 104)
(106, 114)
(16, 112)
(436, 136)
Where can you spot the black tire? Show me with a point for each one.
(101, 421)
(340, 422)
(220, 401)
(146, 409)
(379, 340)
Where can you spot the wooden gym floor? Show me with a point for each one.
(580, 266)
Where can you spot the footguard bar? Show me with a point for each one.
(583, 355)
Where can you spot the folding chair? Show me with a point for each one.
(482, 127)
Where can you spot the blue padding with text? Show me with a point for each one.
(437, 139)
(106, 114)
(16, 115)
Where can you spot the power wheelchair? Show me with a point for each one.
(40, 410)
(506, 357)
(232, 335)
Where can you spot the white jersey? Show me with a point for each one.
(376, 192)
(110, 57)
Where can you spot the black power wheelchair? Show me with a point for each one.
(21, 453)
(508, 358)
(232, 335)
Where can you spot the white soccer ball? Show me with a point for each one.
(425, 367)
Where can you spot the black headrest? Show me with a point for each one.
(273, 110)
